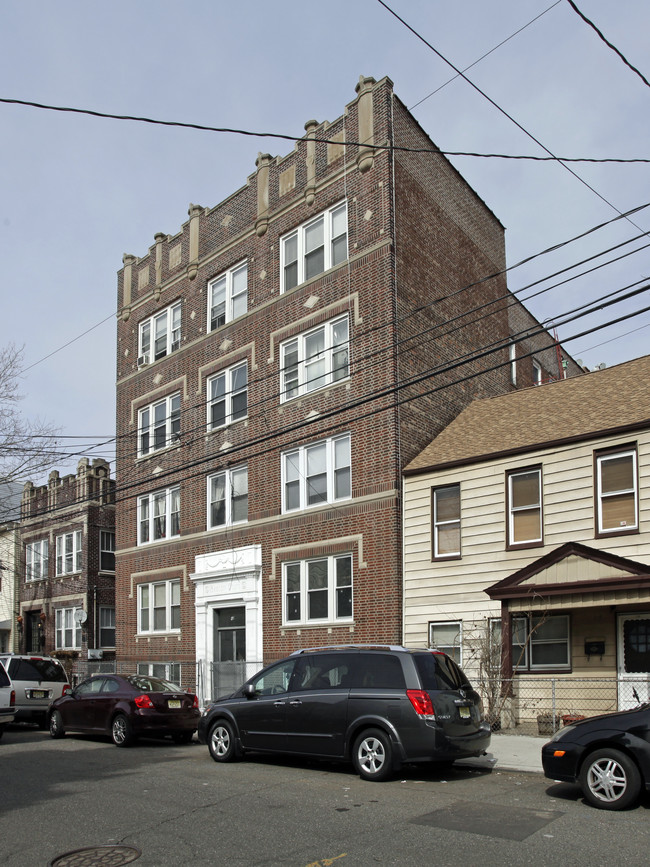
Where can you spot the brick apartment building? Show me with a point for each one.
(280, 360)
(67, 586)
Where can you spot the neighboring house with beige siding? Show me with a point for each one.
(527, 538)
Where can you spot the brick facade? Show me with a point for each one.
(416, 236)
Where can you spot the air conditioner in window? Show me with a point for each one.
(95, 654)
(143, 360)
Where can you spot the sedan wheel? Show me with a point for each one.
(222, 743)
(122, 731)
(56, 724)
(372, 755)
(610, 779)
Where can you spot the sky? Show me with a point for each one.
(77, 192)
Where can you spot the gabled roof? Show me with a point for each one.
(563, 571)
(594, 404)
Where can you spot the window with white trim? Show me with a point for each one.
(159, 606)
(228, 296)
(106, 626)
(228, 396)
(541, 642)
(159, 335)
(617, 492)
(36, 554)
(67, 629)
(537, 372)
(513, 363)
(228, 497)
(314, 247)
(446, 521)
(448, 636)
(317, 590)
(159, 515)
(159, 424)
(68, 553)
(107, 550)
(525, 507)
(317, 473)
(315, 359)
(169, 671)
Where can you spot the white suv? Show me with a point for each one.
(7, 700)
(37, 680)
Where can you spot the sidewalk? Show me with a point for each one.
(511, 753)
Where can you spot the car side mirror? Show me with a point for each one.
(249, 691)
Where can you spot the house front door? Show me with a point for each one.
(633, 634)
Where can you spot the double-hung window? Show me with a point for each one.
(36, 560)
(446, 521)
(106, 626)
(107, 550)
(448, 636)
(617, 491)
(228, 497)
(525, 507)
(228, 296)
(228, 396)
(316, 474)
(68, 553)
(318, 590)
(67, 629)
(314, 247)
(315, 359)
(159, 424)
(159, 335)
(541, 642)
(159, 606)
(159, 515)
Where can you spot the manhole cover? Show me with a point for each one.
(112, 856)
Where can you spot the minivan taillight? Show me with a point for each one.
(421, 702)
(195, 702)
(143, 701)
(12, 698)
(66, 689)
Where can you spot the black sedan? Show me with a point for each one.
(126, 708)
(608, 755)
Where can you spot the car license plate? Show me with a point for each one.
(464, 712)
(39, 693)
(173, 703)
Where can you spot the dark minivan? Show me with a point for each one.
(378, 706)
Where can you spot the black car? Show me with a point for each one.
(376, 706)
(126, 708)
(608, 755)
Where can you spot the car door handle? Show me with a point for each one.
(278, 703)
(295, 702)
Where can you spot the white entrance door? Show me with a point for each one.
(633, 659)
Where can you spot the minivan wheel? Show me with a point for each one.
(122, 731)
(372, 755)
(610, 779)
(56, 724)
(222, 742)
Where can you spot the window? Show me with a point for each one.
(318, 590)
(106, 627)
(617, 495)
(169, 671)
(315, 359)
(513, 363)
(446, 521)
(541, 642)
(159, 515)
(228, 396)
(107, 551)
(537, 373)
(228, 296)
(448, 636)
(316, 474)
(68, 631)
(314, 247)
(36, 560)
(525, 507)
(228, 497)
(68, 553)
(159, 335)
(159, 606)
(159, 425)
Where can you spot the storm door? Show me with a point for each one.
(229, 650)
(34, 633)
(633, 659)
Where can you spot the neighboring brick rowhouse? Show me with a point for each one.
(409, 280)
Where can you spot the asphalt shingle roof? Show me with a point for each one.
(577, 408)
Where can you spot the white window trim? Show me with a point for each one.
(172, 670)
(104, 550)
(448, 648)
(62, 556)
(229, 393)
(103, 608)
(437, 525)
(303, 479)
(60, 617)
(150, 607)
(537, 372)
(32, 559)
(608, 456)
(150, 499)
(512, 510)
(299, 235)
(172, 424)
(228, 492)
(304, 620)
(147, 334)
(527, 663)
(230, 298)
(513, 363)
(298, 344)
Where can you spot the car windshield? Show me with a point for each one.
(152, 684)
(37, 669)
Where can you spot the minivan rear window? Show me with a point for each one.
(37, 670)
(438, 671)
